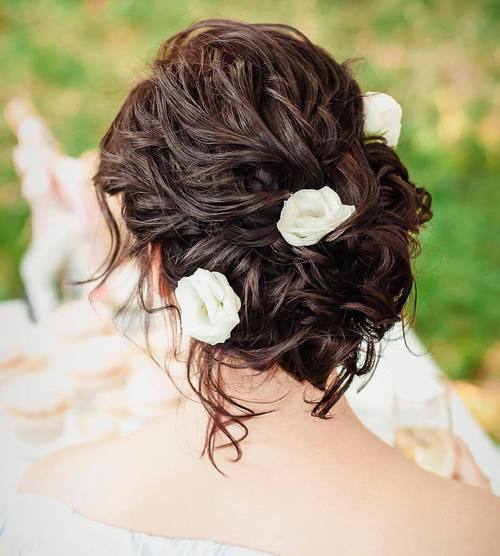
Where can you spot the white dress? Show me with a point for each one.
(36, 525)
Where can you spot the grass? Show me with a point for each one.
(76, 61)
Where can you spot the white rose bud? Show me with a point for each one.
(382, 117)
(209, 307)
(310, 214)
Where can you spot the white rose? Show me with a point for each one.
(310, 214)
(382, 117)
(209, 307)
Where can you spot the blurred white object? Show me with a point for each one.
(418, 388)
(15, 313)
(113, 402)
(149, 391)
(64, 212)
(97, 425)
(24, 346)
(120, 286)
(94, 364)
(36, 406)
(81, 318)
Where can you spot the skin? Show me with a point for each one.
(304, 485)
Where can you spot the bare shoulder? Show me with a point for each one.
(451, 517)
(123, 482)
(407, 510)
(89, 477)
(64, 474)
(476, 512)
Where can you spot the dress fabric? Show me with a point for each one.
(36, 525)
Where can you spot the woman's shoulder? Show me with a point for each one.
(76, 501)
(88, 477)
(34, 524)
(38, 525)
(63, 474)
(441, 516)
(403, 504)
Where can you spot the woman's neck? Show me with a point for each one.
(287, 403)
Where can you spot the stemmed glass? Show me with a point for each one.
(423, 422)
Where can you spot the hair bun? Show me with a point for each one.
(203, 153)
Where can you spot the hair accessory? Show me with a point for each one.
(209, 307)
(310, 214)
(382, 117)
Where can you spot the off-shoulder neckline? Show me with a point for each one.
(63, 506)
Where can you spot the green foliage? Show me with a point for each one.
(76, 60)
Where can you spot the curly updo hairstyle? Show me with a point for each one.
(232, 119)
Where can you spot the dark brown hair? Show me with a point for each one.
(232, 119)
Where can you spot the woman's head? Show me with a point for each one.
(232, 119)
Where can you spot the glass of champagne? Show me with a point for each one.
(423, 422)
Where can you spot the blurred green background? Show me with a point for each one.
(439, 59)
